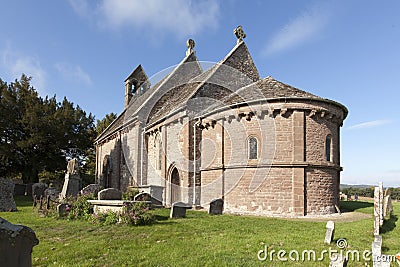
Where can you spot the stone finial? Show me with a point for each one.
(239, 33)
(190, 45)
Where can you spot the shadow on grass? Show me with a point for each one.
(389, 225)
(349, 206)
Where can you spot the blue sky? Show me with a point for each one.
(348, 51)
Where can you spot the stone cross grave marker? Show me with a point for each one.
(330, 229)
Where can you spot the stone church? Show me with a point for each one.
(195, 133)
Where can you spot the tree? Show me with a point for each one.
(40, 134)
(105, 122)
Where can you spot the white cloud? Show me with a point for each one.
(16, 64)
(300, 30)
(81, 7)
(180, 17)
(368, 124)
(73, 73)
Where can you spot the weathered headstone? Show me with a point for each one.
(378, 259)
(216, 206)
(16, 243)
(330, 229)
(109, 194)
(72, 180)
(338, 260)
(7, 202)
(142, 197)
(91, 189)
(38, 190)
(52, 192)
(376, 211)
(381, 203)
(178, 210)
(62, 209)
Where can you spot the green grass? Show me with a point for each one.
(198, 240)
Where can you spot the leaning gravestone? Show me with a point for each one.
(72, 180)
(109, 194)
(7, 202)
(216, 206)
(16, 243)
(178, 210)
(330, 229)
(38, 190)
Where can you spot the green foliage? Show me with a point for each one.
(39, 134)
(101, 125)
(130, 194)
(81, 208)
(106, 218)
(137, 214)
(369, 192)
(204, 240)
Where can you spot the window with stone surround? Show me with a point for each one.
(253, 148)
(328, 148)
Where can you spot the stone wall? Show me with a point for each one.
(292, 172)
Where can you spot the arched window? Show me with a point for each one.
(253, 148)
(328, 148)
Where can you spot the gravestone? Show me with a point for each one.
(216, 206)
(62, 209)
(330, 229)
(16, 243)
(378, 259)
(38, 190)
(178, 210)
(338, 260)
(52, 192)
(109, 194)
(376, 211)
(381, 203)
(7, 202)
(142, 197)
(72, 180)
(91, 189)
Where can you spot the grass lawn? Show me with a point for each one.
(198, 240)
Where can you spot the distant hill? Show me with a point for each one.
(342, 186)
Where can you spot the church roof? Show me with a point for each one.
(235, 71)
(184, 71)
(233, 80)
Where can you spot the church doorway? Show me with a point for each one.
(175, 186)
